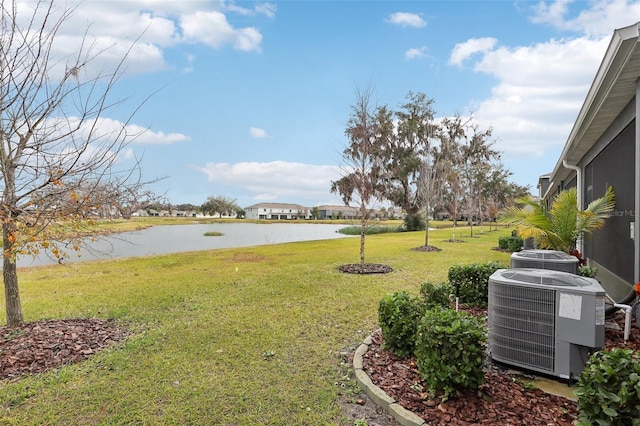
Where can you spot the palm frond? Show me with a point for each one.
(594, 216)
(560, 226)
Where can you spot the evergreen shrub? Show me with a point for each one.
(609, 389)
(398, 316)
(437, 294)
(511, 244)
(450, 351)
(472, 281)
(414, 222)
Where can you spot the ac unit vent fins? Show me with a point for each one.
(522, 325)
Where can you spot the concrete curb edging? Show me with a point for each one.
(377, 395)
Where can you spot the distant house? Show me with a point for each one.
(185, 213)
(337, 212)
(276, 211)
(603, 149)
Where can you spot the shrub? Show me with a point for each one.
(510, 243)
(587, 271)
(398, 316)
(472, 281)
(609, 389)
(436, 294)
(502, 243)
(450, 351)
(414, 222)
(373, 230)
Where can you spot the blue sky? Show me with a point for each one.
(250, 99)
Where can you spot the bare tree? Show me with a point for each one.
(360, 184)
(451, 135)
(53, 146)
(476, 159)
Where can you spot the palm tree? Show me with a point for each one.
(559, 227)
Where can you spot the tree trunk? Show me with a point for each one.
(362, 237)
(426, 228)
(10, 277)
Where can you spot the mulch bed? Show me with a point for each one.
(40, 346)
(501, 400)
(426, 248)
(365, 268)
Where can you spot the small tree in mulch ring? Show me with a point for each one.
(365, 268)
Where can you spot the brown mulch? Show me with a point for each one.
(365, 268)
(426, 248)
(40, 346)
(501, 250)
(501, 400)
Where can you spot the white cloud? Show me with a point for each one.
(267, 9)
(257, 133)
(406, 20)
(551, 13)
(276, 180)
(539, 92)
(213, 29)
(150, 137)
(463, 51)
(190, 58)
(111, 28)
(415, 53)
(129, 154)
(107, 129)
(599, 20)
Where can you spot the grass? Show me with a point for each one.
(235, 336)
(213, 234)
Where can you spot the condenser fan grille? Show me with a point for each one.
(521, 324)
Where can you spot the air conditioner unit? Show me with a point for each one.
(545, 259)
(545, 321)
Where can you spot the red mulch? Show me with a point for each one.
(40, 346)
(501, 400)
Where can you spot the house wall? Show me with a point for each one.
(276, 213)
(612, 246)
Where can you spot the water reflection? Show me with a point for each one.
(180, 238)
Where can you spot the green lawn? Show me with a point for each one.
(237, 336)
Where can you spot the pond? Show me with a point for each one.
(167, 239)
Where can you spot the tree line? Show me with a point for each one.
(422, 165)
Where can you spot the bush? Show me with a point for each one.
(450, 351)
(510, 243)
(373, 230)
(586, 271)
(609, 389)
(472, 281)
(414, 222)
(436, 294)
(398, 316)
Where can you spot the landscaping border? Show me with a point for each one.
(377, 395)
